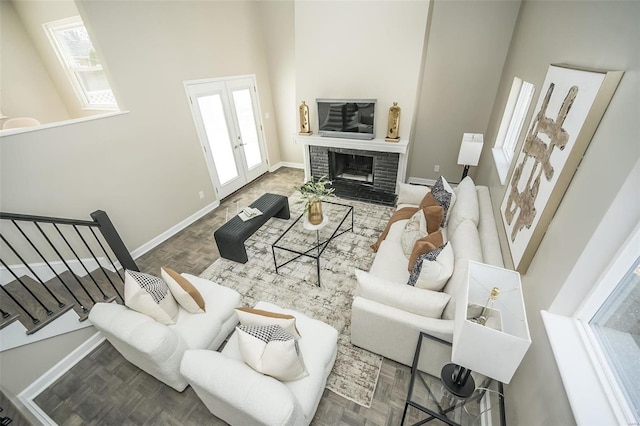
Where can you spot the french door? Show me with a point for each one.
(227, 118)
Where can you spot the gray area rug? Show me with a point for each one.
(356, 370)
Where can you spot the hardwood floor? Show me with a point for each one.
(105, 389)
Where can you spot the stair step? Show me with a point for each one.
(42, 317)
(10, 318)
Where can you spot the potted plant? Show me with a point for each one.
(313, 192)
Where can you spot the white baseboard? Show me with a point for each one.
(421, 181)
(173, 230)
(28, 395)
(286, 164)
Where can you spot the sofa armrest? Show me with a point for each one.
(401, 296)
(236, 393)
(141, 332)
(411, 194)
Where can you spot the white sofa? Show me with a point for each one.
(239, 395)
(387, 314)
(157, 348)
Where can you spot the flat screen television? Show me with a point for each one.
(347, 118)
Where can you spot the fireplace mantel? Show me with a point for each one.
(378, 145)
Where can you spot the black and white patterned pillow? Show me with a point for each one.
(271, 350)
(150, 295)
(156, 287)
(443, 197)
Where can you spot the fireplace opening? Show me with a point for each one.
(351, 167)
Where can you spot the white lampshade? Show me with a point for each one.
(470, 149)
(492, 352)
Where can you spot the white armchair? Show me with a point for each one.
(157, 348)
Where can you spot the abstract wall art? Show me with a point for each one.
(570, 106)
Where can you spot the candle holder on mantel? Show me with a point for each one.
(304, 119)
(393, 126)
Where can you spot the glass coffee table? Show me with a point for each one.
(428, 399)
(303, 239)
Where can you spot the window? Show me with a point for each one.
(598, 349)
(515, 112)
(73, 46)
(614, 331)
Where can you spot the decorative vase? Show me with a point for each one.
(315, 212)
(393, 126)
(303, 109)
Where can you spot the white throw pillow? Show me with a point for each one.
(150, 295)
(411, 194)
(183, 291)
(466, 206)
(271, 350)
(251, 316)
(432, 270)
(414, 229)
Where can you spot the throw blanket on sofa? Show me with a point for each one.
(401, 214)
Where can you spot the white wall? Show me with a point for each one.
(468, 43)
(277, 24)
(27, 89)
(599, 34)
(356, 49)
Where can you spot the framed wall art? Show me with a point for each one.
(570, 106)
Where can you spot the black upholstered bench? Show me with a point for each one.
(231, 236)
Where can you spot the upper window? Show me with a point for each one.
(73, 46)
(511, 126)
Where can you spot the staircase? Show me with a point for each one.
(55, 267)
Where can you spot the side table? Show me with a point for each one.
(428, 395)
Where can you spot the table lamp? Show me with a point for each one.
(491, 334)
(470, 150)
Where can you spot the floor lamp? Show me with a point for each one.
(470, 150)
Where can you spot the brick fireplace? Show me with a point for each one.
(361, 170)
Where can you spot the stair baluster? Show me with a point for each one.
(110, 261)
(16, 301)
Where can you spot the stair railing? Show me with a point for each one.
(38, 299)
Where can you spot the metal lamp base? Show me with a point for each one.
(458, 380)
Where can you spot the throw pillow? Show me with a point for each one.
(271, 350)
(183, 291)
(415, 229)
(466, 207)
(250, 316)
(400, 214)
(428, 200)
(432, 270)
(433, 215)
(445, 196)
(425, 245)
(150, 295)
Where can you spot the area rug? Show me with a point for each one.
(356, 370)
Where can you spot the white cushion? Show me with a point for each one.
(150, 295)
(432, 272)
(252, 316)
(466, 206)
(390, 263)
(183, 291)
(491, 251)
(411, 194)
(271, 350)
(399, 295)
(466, 246)
(396, 230)
(414, 229)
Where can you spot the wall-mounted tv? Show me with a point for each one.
(347, 118)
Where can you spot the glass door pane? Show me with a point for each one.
(248, 130)
(215, 126)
